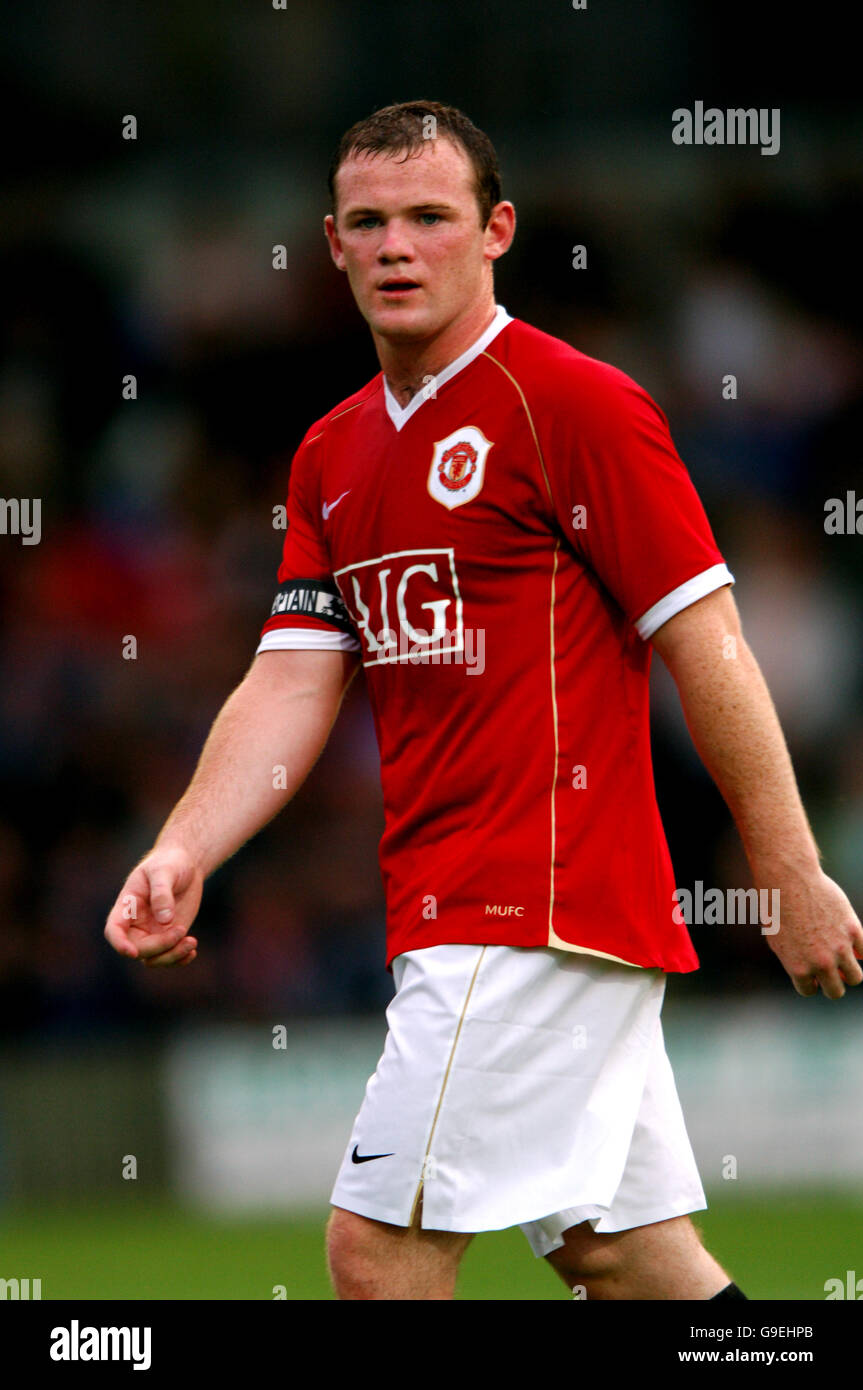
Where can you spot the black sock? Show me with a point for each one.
(730, 1291)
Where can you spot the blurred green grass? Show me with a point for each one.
(775, 1246)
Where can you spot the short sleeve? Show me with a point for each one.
(307, 611)
(625, 499)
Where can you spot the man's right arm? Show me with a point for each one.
(262, 746)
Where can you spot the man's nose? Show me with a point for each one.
(396, 243)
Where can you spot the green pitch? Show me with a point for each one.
(778, 1246)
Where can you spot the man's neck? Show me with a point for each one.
(409, 367)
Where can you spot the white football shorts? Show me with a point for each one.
(521, 1086)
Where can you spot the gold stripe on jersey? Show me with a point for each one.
(529, 421)
(553, 938)
(347, 411)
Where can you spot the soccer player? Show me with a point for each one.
(499, 529)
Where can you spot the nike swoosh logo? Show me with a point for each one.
(357, 1157)
(325, 512)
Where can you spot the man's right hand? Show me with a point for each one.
(156, 907)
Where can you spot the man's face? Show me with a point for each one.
(408, 234)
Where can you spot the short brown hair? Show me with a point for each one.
(401, 128)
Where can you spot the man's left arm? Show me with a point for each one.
(736, 732)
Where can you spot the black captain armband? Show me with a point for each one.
(313, 598)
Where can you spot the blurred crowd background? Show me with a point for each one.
(153, 257)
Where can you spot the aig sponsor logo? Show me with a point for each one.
(406, 605)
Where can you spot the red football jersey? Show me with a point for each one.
(498, 552)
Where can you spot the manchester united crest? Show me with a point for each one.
(458, 466)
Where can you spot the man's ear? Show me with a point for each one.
(334, 241)
(499, 230)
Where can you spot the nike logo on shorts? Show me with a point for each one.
(357, 1157)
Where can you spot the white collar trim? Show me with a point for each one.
(401, 414)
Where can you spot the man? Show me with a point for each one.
(499, 529)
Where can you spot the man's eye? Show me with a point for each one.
(435, 217)
(367, 223)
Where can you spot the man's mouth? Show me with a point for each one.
(398, 286)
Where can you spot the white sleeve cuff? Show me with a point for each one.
(697, 587)
(306, 639)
